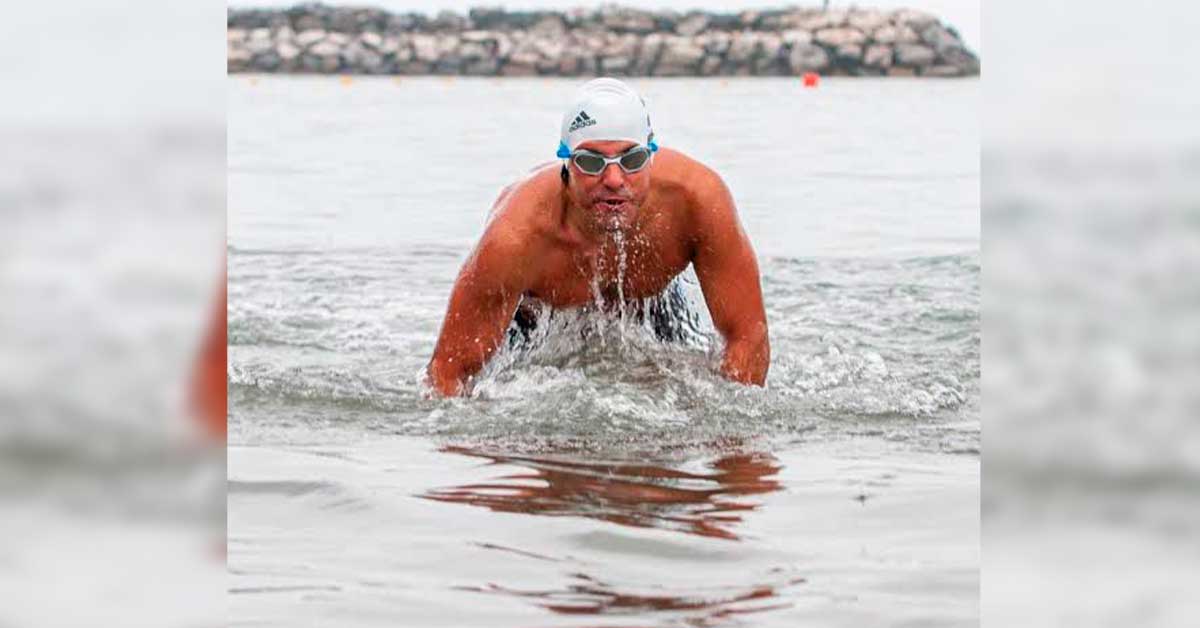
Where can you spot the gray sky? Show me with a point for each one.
(961, 14)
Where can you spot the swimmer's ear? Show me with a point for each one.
(565, 174)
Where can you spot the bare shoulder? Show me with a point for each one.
(524, 212)
(700, 187)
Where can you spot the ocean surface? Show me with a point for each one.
(617, 481)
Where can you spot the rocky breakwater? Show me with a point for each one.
(609, 41)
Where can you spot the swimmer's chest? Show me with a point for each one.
(569, 279)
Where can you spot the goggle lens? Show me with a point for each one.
(630, 161)
(590, 164)
(635, 160)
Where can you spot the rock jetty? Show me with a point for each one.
(610, 41)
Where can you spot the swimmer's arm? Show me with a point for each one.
(482, 303)
(728, 271)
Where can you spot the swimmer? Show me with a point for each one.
(559, 236)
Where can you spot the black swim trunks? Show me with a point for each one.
(671, 316)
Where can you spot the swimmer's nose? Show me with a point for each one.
(614, 177)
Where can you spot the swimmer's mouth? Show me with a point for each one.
(611, 204)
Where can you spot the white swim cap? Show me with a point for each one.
(605, 109)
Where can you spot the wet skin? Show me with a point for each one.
(558, 243)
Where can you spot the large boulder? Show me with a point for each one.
(425, 48)
(834, 37)
(360, 58)
(523, 61)
(866, 20)
(914, 55)
(770, 45)
(680, 57)
(396, 48)
(822, 19)
(960, 58)
(396, 24)
(259, 41)
(796, 36)
(483, 66)
(892, 34)
(549, 49)
(237, 58)
(692, 25)
(283, 33)
(950, 50)
(325, 49)
(342, 21)
(627, 20)
(771, 59)
(448, 22)
(323, 56)
(309, 21)
(551, 26)
(915, 19)
(371, 40)
(808, 58)
(648, 54)
(848, 55)
(268, 61)
(621, 45)
(487, 17)
(288, 52)
(715, 43)
(878, 56)
(742, 48)
(504, 45)
(937, 37)
(477, 36)
(309, 37)
(473, 50)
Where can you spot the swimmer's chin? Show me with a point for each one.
(615, 220)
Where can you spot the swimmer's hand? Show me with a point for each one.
(747, 358)
(442, 382)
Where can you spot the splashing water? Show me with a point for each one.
(860, 347)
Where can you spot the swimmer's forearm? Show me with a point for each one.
(747, 359)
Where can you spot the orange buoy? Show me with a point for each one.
(811, 78)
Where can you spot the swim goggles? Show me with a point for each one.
(594, 163)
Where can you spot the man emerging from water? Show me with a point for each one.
(560, 233)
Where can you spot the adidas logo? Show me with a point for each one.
(581, 120)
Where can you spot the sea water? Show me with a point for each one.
(600, 476)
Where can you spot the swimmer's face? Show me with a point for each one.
(610, 200)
